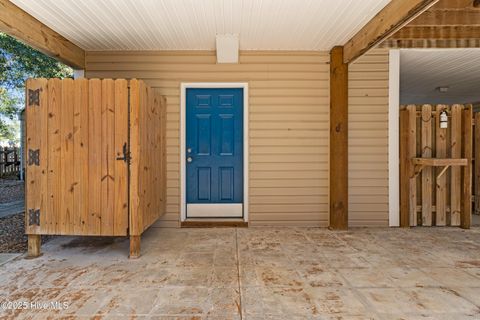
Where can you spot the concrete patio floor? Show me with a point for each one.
(255, 273)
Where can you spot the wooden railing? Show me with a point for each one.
(9, 161)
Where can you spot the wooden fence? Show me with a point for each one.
(95, 158)
(476, 164)
(436, 166)
(9, 161)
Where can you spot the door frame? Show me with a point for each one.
(183, 112)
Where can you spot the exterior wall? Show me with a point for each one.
(368, 140)
(289, 127)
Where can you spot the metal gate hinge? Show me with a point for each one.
(34, 157)
(34, 97)
(34, 217)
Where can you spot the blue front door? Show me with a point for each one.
(214, 151)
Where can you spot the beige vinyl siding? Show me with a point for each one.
(368, 140)
(289, 124)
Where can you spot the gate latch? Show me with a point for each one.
(34, 217)
(126, 154)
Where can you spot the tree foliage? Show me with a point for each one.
(18, 62)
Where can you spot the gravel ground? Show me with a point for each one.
(12, 234)
(11, 190)
(12, 228)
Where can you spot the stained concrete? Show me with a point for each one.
(255, 273)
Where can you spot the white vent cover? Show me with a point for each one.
(227, 48)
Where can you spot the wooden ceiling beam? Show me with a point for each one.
(438, 33)
(454, 4)
(430, 44)
(21, 25)
(448, 18)
(389, 20)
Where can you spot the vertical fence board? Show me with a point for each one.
(54, 151)
(36, 139)
(121, 171)
(107, 156)
(94, 156)
(67, 157)
(404, 170)
(477, 163)
(135, 218)
(466, 214)
(426, 117)
(80, 145)
(456, 150)
(441, 152)
(412, 151)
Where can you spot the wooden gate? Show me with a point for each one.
(76, 139)
(436, 166)
(96, 160)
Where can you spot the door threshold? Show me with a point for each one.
(214, 223)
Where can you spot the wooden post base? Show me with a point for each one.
(34, 243)
(134, 247)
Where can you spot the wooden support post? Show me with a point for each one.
(338, 140)
(34, 243)
(135, 247)
(466, 214)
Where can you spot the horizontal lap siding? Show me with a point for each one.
(289, 123)
(368, 140)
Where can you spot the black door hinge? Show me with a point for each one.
(34, 217)
(34, 157)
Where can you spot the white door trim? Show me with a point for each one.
(183, 91)
(393, 139)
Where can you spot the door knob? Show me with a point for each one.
(189, 159)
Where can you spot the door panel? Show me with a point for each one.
(214, 144)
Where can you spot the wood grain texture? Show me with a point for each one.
(412, 153)
(120, 191)
(338, 140)
(477, 162)
(21, 25)
(441, 152)
(148, 126)
(391, 18)
(36, 134)
(404, 170)
(467, 137)
(427, 179)
(456, 152)
(34, 245)
(80, 146)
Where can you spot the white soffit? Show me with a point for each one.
(193, 24)
(422, 71)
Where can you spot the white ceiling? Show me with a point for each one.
(422, 71)
(193, 24)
